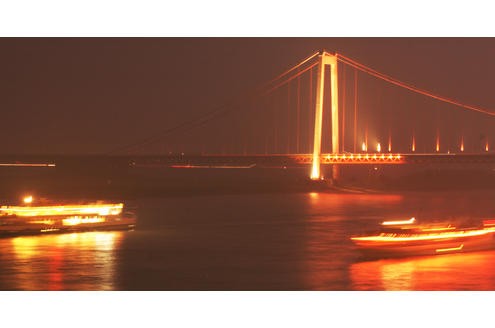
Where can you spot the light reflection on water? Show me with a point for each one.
(328, 252)
(332, 263)
(75, 261)
(292, 241)
(462, 271)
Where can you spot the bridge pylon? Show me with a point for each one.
(326, 58)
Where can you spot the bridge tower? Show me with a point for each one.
(326, 58)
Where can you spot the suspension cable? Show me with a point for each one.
(222, 109)
(410, 87)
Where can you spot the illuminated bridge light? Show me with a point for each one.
(437, 146)
(378, 147)
(364, 147)
(353, 158)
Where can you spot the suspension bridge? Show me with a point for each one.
(327, 109)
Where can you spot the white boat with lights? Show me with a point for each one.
(407, 238)
(31, 218)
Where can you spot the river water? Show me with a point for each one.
(259, 241)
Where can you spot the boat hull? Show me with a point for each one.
(377, 249)
(19, 228)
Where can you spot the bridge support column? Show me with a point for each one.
(326, 59)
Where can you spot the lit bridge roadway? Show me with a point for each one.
(302, 160)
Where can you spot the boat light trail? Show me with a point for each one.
(410, 221)
(26, 211)
(76, 220)
(440, 250)
(392, 237)
(28, 164)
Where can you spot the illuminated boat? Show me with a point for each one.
(407, 238)
(31, 219)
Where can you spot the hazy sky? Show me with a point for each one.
(92, 95)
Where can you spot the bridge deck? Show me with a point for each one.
(249, 161)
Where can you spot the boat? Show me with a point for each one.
(47, 217)
(409, 238)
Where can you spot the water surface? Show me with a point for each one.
(269, 241)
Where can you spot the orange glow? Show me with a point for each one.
(99, 209)
(76, 220)
(314, 196)
(54, 252)
(413, 146)
(487, 223)
(486, 146)
(445, 272)
(462, 143)
(410, 221)
(378, 147)
(364, 147)
(437, 148)
(28, 199)
(315, 170)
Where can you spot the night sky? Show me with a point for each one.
(92, 95)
